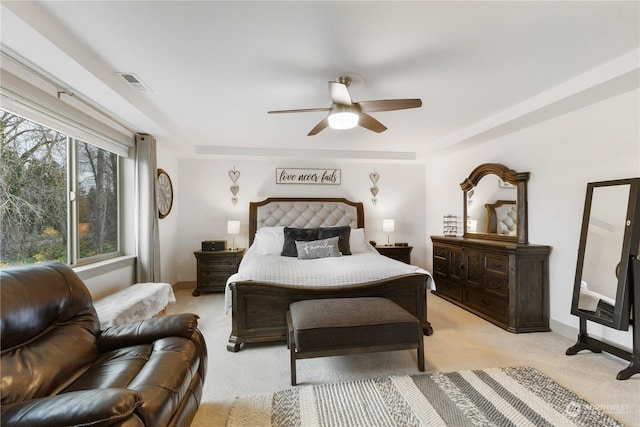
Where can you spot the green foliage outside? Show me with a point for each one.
(33, 195)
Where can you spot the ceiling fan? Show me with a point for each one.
(346, 114)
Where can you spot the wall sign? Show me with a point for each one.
(308, 176)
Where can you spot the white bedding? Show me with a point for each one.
(360, 267)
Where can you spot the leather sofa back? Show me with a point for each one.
(48, 330)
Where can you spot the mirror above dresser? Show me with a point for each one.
(495, 203)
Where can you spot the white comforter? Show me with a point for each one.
(360, 267)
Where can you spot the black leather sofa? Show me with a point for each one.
(59, 369)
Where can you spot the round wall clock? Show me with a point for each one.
(164, 193)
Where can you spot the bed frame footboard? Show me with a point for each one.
(259, 308)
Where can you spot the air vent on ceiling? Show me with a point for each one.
(134, 81)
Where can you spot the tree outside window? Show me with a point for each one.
(38, 213)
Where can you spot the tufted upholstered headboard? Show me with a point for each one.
(306, 212)
(502, 217)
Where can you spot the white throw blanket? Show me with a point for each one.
(361, 267)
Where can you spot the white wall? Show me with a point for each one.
(204, 200)
(169, 226)
(596, 143)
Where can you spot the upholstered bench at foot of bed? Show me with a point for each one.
(339, 326)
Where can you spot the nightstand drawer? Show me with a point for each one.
(213, 276)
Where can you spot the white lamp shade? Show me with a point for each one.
(388, 225)
(233, 227)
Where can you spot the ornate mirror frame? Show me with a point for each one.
(519, 180)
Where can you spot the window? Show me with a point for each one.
(58, 196)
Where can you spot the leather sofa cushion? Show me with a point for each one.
(49, 330)
(161, 372)
(96, 408)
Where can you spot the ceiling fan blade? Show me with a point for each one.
(320, 126)
(301, 110)
(368, 122)
(339, 93)
(389, 104)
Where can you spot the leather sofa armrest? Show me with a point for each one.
(147, 331)
(101, 407)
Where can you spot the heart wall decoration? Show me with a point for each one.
(234, 188)
(374, 177)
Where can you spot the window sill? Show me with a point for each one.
(103, 267)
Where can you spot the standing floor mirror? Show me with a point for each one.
(608, 268)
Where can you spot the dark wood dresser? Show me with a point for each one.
(503, 282)
(400, 253)
(214, 268)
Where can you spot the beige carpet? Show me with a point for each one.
(461, 341)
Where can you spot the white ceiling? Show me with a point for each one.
(215, 68)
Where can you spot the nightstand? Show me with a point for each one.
(214, 268)
(400, 253)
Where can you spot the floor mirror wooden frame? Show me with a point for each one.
(626, 309)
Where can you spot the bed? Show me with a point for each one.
(258, 300)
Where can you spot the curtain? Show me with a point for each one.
(148, 240)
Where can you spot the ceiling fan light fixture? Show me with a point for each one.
(343, 120)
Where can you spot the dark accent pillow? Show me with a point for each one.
(293, 234)
(324, 248)
(343, 233)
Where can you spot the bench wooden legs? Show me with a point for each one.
(292, 348)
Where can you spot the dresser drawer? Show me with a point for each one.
(496, 284)
(439, 267)
(449, 289)
(497, 264)
(439, 251)
(491, 305)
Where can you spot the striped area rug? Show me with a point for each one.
(516, 397)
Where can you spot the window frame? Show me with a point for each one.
(72, 190)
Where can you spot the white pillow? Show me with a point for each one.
(357, 241)
(269, 240)
(274, 231)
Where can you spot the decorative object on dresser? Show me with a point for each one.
(400, 252)
(499, 277)
(214, 268)
(450, 225)
(606, 289)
